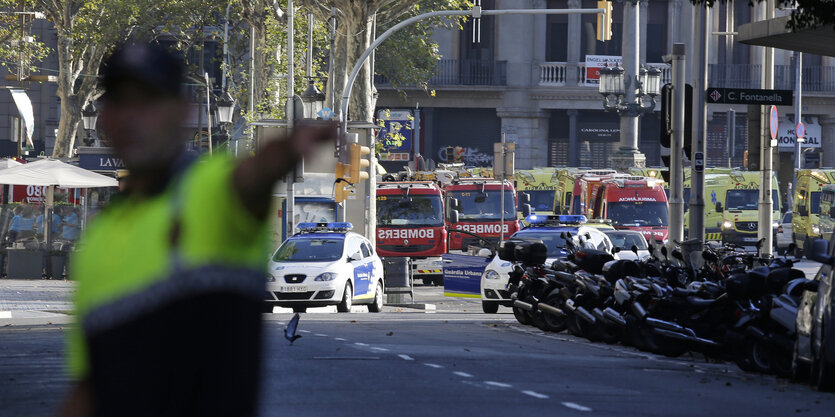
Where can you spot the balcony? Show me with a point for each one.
(553, 74)
(815, 78)
(462, 72)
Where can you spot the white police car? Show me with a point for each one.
(325, 264)
(548, 229)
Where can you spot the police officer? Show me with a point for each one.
(171, 278)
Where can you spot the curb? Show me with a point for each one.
(429, 308)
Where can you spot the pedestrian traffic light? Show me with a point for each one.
(341, 187)
(358, 163)
(604, 21)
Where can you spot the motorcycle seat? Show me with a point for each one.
(699, 302)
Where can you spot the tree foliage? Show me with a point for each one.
(807, 14)
(354, 36)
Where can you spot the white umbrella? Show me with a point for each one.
(8, 163)
(48, 172)
(52, 173)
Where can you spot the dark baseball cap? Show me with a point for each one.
(150, 65)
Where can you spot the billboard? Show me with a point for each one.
(593, 65)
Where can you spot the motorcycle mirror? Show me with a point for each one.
(677, 254)
(635, 249)
(791, 248)
(615, 250)
(562, 235)
(664, 251)
(709, 256)
(760, 243)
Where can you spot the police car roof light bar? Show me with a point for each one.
(324, 227)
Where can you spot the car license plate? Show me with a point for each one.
(749, 239)
(293, 289)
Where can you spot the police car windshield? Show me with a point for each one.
(310, 249)
(638, 213)
(541, 200)
(475, 205)
(748, 199)
(422, 210)
(625, 240)
(551, 239)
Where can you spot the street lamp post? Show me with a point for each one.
(630, 96)
(636, 98)
(313, 99)
(224, 110)
(89, 117)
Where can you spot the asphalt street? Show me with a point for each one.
(453, 361)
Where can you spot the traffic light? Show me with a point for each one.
(604, 21)
(667, 95)
(358, 163)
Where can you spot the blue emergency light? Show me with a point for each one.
(325, 227)
(572, 218)
(541, 220)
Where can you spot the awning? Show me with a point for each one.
(773, 33)
(24, 107)
(48, 172)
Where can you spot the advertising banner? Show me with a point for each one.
(395, 130)
(595, 62)
(462, 275)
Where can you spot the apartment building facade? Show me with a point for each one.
(527, 77)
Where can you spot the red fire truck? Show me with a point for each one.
(410, 223)
(479, 207)
(634, 203)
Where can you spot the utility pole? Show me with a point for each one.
(798, 113)
(766, 206)
(731, 142)
(676, 230)
(290, 112)
(697, 173)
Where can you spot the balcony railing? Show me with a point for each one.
(553, 74)
(463, 72)
(815, 78)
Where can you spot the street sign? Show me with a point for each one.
(749, 96)
(774, 123)
(800, 130)
(699, 161)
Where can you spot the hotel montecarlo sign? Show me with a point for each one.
(749, 96)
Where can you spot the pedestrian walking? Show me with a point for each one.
(171, 278)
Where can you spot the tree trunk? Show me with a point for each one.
(353, 38)
(70, 107)
(260, 71)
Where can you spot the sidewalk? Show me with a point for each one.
(35, 301)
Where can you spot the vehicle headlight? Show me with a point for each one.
(491, 274)
(326, 276)
(270, 278)
(727, 225)
(816, 230)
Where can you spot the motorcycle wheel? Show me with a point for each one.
(758, 356)
(549, 322)
(522, 316)
(572, 325)
(666, 346)
(781, 363)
